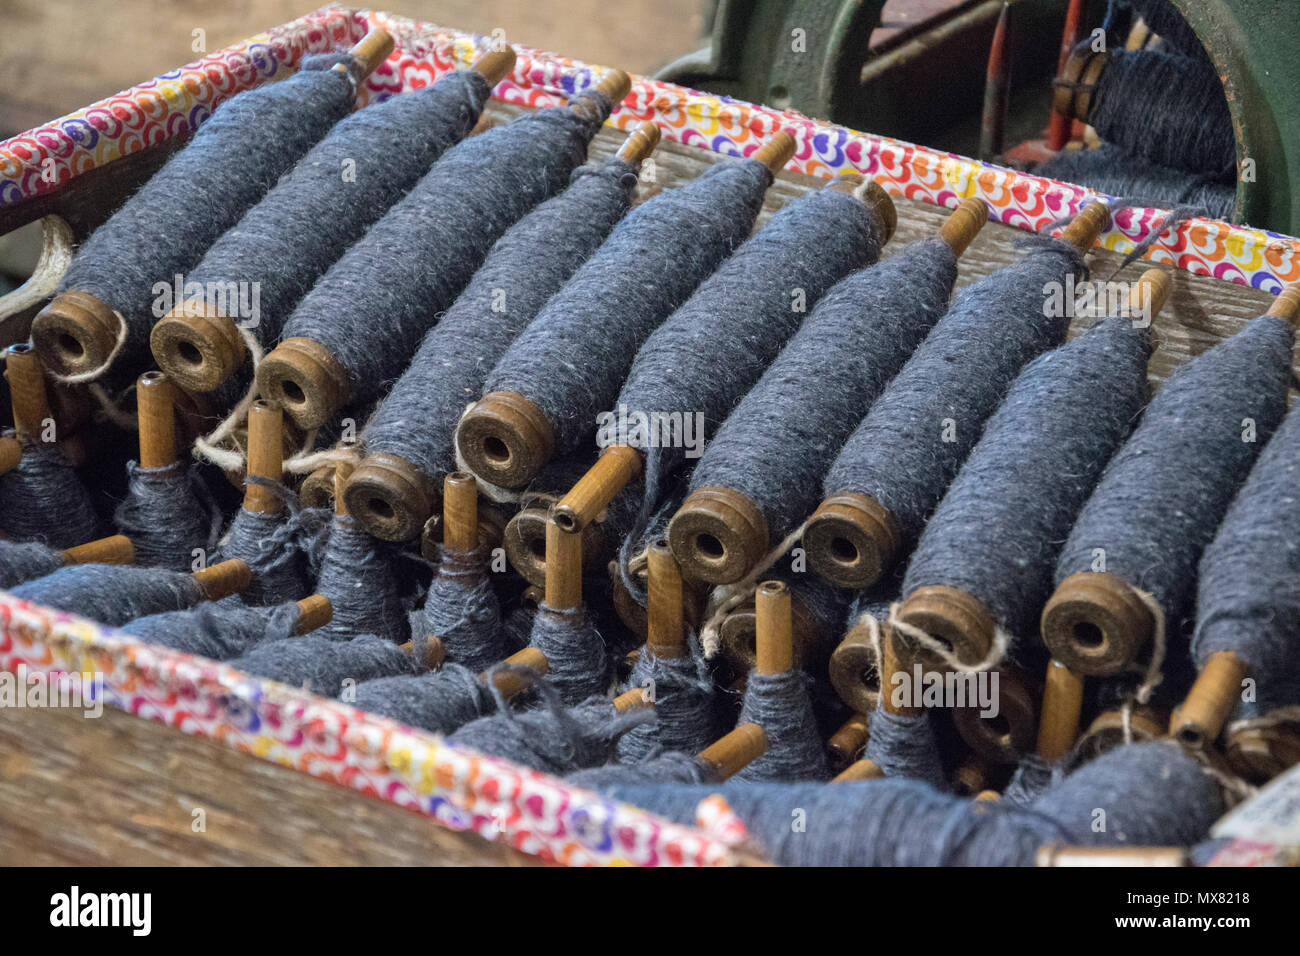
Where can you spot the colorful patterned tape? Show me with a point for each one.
(326, 739)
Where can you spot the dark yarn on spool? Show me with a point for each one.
(1165, 492)
(276, 547)
(668, 767)
(43, 500)
(217, 630)
(24, 560)
(358, 574)
(1141, 102)
(528, 265)
(683, 702)
(1249, 593)
(1111, 170)
(997, 532)
(322, 665)
(463, 611)
(1153, 794)
(165, 228)
(550, 737)
(112, 594)
(776, 445)
(167, 513)
(1168, 23)
(898, 454)
(1034, 776)
(409, 268)
(904, 745)
(440, 701)
(572, 358)
(781, 705)
(290, 238)
(579, 665)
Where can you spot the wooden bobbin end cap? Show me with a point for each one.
(1095, 624)
(494, 65)
(953, 617)
(871, 194)
(1259, 751)
(964, 224)
(1151, 292)
(640, 143)
(776, 152)
(116, 549)
(373, 49)
(1084, 229)
(524, 539)
(851, 540)
(854, 671)
(389, 497)
(505, 439)
(197, 346)
(860, 770)
(224, 579)
(317, 489)
(303, 378)
(76, 333)
(616, 84)
(1106, 732)
(1072, 91)
(1007, 737)
(739, 635)
(732, 752)
(314, 611)
(717, 535)
(11, 453)
(593, 492)
(1287, 304)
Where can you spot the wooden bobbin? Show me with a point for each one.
(494, 65)
(895, 659)
(1073, 91)
(317, 489)
(563, 569)
(31, 405)
(776, 152)
(1199, 719)
(871, 194)
(773, 645)
(265, 457)
(115, 549)
(851, 540)
(665, 615)
(964, 224)
(11, 453)
(593, 492)
(1058, 727)
(854, 670)
(524, 539)
(432, 653)
(640, 143)
(460, 512)
(1095, 623)
(718, 535)
(860, 770)
(1287, 304)
(198, 345)
(808, 638)
(1106, 732)
(505, 439)
(734, 751)
(1056, 855)
(1259, 750)
(634, 699)
(973, 776)
(371, 50)
(154, 403)
(491, 528)
(615, 84)
(952, 617)
(314, 611)
(847, 744)
(224, 578)
(305, 379)
(1085, 228)
(1010, 735)
(511, 684)
(76, 333)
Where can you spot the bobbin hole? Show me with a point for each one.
(188, 354)
(1190, 736)
(537, 548)
(709, 547)
(496, 450)
(565, 521)
(1089, 635)
(292, 391)
(1001, 728)
(380, 507)
(70, 346)
(844, 551)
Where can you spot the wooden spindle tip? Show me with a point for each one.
(510, 682)
(390, 497)
(847, 743)
(1109, 856)
(666, 629)
(505, 439)
(635, 699)
(317, 489)
(224, 579)
(851, 540)
(198, 346)
(1287, 304)
(314, 611)
(1108, 731)
(860, 770)
(964, 224)
(1073, 91)
(76, 333)
(1085, 228)
(1199, 719)
(11, 453)
(429, 652)
(640, 143)
(610, 474)
(115, 549)
(854, 670)
(774, 628)
(373, 49)
(1095, 624)
(776, 152)
(495, 65)
(873, 195)
(28, 395)
(717, 535)
(1151, 292)
(732, 752)
(1012, 733)
(302, 377)
(616, 84)
(952, 617)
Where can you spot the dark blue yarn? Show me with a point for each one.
(167, 513)
(112, 594)
(438, 701)
(203, 190)
(322, 665)
(462, 610)
(217, 630)
(528, 265)
(1163, 495)
(1249, 596)
(1168, 23)
(669, 767)
(780, 704)
(302, 226)
(683, 702)
(573, 357)
(897, 455)
(359, 576)
(24, 560)
(775, 447)
(997, 532)
(904, 745)
(374, 305)
(44, 500)
(1111, 170)
(575, 651)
